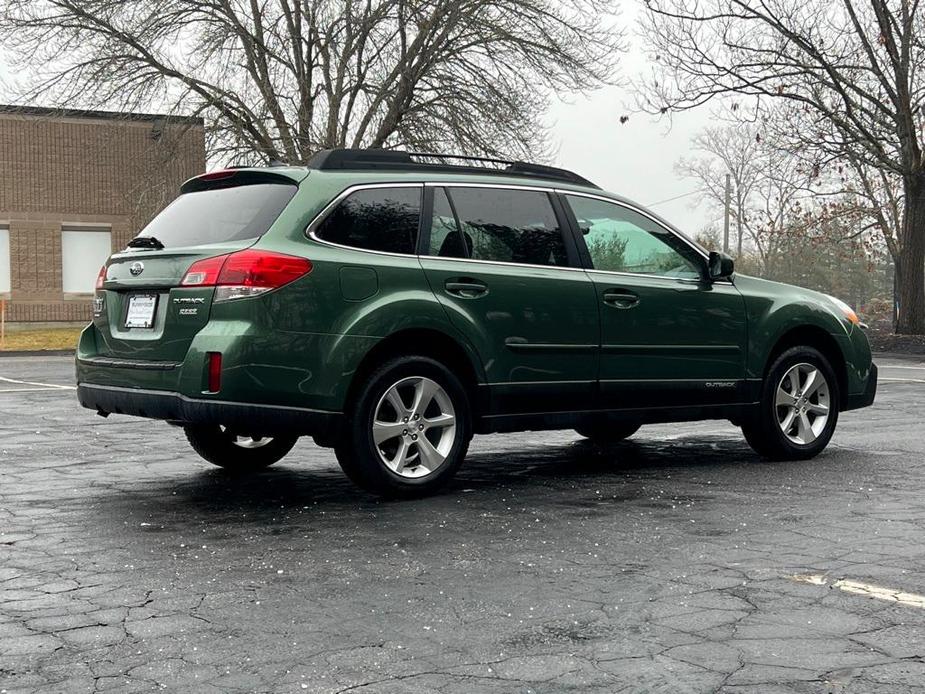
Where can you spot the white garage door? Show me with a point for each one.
(4, 259)
(83, 253)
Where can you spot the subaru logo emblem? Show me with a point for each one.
(137, 268)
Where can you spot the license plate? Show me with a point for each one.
(140, 312)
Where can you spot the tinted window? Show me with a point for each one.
(622, 240)
(445, 237)
(516, 226)
(226, 214)
(378, 219)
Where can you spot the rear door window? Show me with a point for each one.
(219, 215)
(509, 225)
(376, 219)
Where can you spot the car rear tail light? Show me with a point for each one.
(203, 273)
(245, 273)
(215, 371)
(101, 277)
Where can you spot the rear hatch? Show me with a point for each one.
(141, 311)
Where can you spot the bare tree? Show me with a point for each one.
(769, 185)
(854, 70)
(285, 78)
(724, 150)
(880, 199)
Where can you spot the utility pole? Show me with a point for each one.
(739, 228)
(726, 222)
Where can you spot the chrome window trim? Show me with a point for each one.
(505, 263)
(638, 210)
(477, 184)
(670, 278)
(312, 226)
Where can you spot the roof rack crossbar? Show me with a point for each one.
(396, 160)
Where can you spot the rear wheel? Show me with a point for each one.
(799, 407)
(604, 432)
(408, 429)
(223, 447)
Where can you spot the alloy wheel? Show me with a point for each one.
(414, 427)
(802, 403)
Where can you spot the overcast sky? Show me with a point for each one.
(635, 159)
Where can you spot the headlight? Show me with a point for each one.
(846, 310)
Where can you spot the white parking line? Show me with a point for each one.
(916, 368)
(903, 380)
(28, 390)
(34, 383)
(866, 589)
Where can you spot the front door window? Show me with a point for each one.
(622, 240)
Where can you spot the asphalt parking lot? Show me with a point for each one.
(676, 562)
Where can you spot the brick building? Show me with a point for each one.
(74, 187)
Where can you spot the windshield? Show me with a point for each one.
(221, 214)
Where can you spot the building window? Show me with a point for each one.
(4, 259)
(84, 250)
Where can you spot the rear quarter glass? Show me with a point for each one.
(228, 213)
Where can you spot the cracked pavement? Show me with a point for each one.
(664, 564)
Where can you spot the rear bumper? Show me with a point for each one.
(865, 399)
(175, 407)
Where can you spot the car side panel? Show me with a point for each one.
(350, 301)
(682, 344)
(535, 330)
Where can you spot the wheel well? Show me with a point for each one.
(817, 338)
(426, 343)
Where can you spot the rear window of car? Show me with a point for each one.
(222, 214)
(376, 219)
(512, 226)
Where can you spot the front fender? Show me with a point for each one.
(775, 309)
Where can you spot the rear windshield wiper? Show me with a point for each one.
(145, 242)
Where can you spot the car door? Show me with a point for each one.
(669, 336)
(503, 263)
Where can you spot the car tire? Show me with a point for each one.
(799, 407)
(608, 432)
(408, 428)
(222, 447)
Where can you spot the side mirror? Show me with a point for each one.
(720, 266)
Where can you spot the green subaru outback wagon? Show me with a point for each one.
(391, 306)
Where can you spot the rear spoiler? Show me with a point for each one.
(231, 178)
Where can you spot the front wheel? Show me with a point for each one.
(799, 407)
(225, 448)
(408, 427)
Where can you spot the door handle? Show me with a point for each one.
(621, 298)
(465, 287)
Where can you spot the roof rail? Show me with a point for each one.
(395, 160)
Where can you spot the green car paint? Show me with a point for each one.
(776, 309)
(540, 344)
